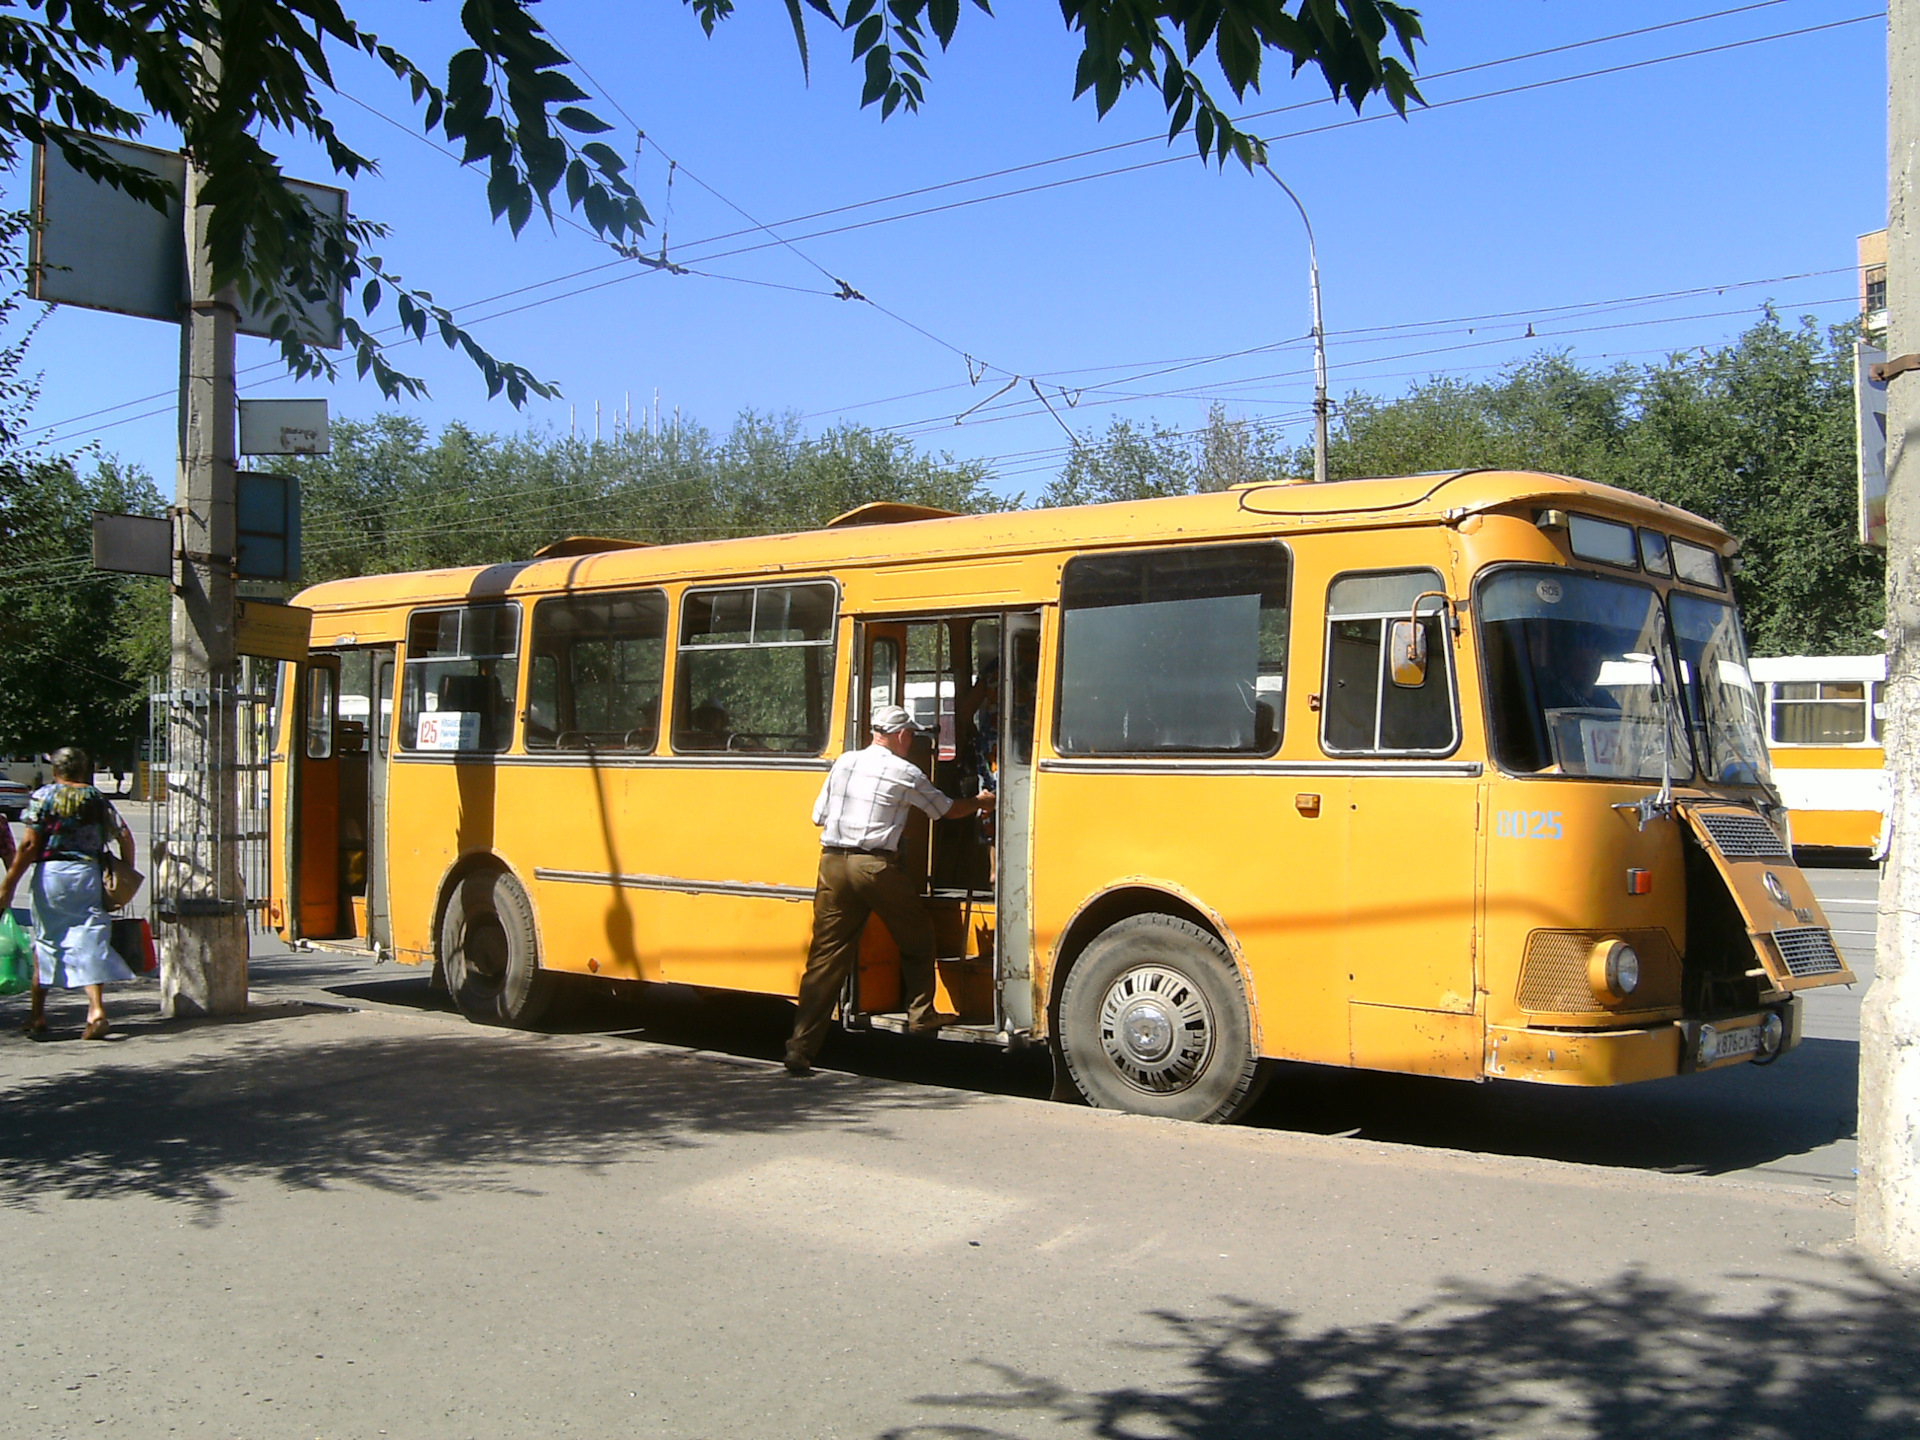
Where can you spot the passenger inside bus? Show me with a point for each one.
(709, 727)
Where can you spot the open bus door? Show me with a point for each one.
(947, 672)
(313, 795)
(1013, 822)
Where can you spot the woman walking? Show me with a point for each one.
(69, 824)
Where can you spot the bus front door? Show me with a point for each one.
(315, 772)
(1013, 820)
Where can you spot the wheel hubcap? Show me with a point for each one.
(486, 946)
(1156, 1029)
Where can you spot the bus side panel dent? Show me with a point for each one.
(1559, 1057)
(1416, 1042)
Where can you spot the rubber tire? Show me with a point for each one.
(490, 952)
(1232, 1076)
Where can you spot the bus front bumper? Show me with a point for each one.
(1619, 1057)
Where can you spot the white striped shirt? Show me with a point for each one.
(863, 805)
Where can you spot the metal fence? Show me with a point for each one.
(203, 740)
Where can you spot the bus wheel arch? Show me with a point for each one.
(487, 945)
(1151, 1012)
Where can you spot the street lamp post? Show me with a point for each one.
(1319, 337)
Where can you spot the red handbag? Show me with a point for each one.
(133, 943)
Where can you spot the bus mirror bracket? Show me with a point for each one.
(1646, 808)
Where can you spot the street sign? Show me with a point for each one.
(94, 246)
(283, 427)
(133, 544)
(273, 632)
(1870, 442)
(267, 528)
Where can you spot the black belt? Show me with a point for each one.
(857, 850)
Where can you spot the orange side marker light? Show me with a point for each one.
(1639, 882)
(1308, 805)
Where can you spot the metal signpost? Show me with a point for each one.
(94, 246)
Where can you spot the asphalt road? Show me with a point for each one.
(371, 1218)
(1789, 1123)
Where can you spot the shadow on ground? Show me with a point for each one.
(416, 1114)
(1624, 1359)
(1712, 1124)
(1726, 1121)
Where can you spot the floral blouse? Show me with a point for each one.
(74, 822)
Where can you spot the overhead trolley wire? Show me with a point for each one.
(789, 241)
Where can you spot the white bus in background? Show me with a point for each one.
(1824, 721)
(30, 770)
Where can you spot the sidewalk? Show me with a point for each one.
(356, 1222)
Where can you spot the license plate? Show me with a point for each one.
(1732, 1044)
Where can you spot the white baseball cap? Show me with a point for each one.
(890, 719)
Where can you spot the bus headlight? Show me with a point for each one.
(1613, 970)
(1773, 1030)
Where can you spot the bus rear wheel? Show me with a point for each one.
(1153, 1020)
(490, 954)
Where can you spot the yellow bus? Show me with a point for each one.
(1824, 719)
(1455, 774)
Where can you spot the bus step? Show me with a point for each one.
(973, 1034)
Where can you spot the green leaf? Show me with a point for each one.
(583, 121)
(466, 76)
(604, 157)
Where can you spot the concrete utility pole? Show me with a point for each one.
(1320, 405)
(1888, 1209)
(203, 934)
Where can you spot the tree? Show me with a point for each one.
(76, 644)
(1129, 462)
(1756, 436)
(235, 76)
(1236, 452)
(390, 498)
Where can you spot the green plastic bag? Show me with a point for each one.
(16, 956)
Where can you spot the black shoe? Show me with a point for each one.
(798, 1063)
(933, 1024)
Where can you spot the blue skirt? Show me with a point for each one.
(72, 932)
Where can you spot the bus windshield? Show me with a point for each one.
(1720, 700)
(1573, 665)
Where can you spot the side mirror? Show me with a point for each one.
(1407, 652)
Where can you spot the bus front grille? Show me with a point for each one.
(1807, 950)
(1743, 837)
(1553, 976)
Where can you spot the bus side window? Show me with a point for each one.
(1364, 710)
(1820, 712)
(458, 683)
(754, 670)
(320, 713)
(1174, 651)
(883, 680)
(597, 671)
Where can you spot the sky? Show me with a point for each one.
(1620, 197)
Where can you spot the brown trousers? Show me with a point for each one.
(850, 888)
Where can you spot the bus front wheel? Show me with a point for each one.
(490, 954)
(1153, 1019)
